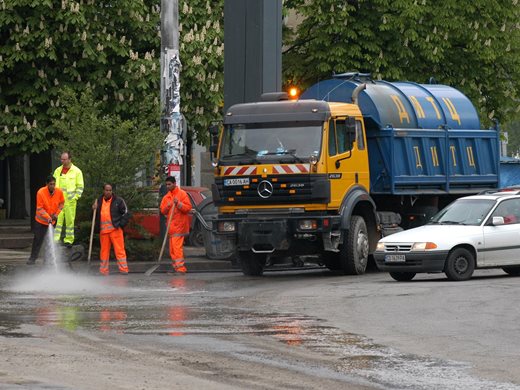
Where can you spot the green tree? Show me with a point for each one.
(113, 150)
(472, 46)
(202, 57)
(111, 48)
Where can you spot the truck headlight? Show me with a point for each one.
(422, 246)
(226, 227)
(307, 224)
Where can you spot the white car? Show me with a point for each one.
(480, 231)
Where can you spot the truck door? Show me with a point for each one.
(347, 162)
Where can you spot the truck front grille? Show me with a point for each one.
(281, 189)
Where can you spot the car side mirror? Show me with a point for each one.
(497, 221)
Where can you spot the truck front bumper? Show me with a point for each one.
(270, 233)
(263, 236)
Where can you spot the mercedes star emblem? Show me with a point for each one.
(265, 189)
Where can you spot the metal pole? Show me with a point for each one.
(171, 117)
(173, 153)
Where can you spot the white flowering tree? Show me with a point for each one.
(108, 47)
(473, 46)
(202, 56)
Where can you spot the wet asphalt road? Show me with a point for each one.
(308, 329)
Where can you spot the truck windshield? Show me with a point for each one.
(464, 212)
(282, 141)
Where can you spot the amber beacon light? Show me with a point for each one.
(294, 93)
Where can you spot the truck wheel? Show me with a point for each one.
(354, 251)
(252, 263)
(459, 265)
(402, 276)
(196, 237)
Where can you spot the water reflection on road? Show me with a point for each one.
(189, 307)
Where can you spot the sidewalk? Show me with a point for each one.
(15, 248)
(196, 261)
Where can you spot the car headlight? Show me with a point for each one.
(380, 246)
(226, 227)
(422, 246)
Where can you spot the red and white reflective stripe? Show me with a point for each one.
(291, 168)
(240, 171)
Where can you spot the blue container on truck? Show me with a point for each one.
(406, 122)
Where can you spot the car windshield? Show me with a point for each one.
(464, 212)
(284, 142)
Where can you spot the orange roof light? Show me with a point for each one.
(294, 93)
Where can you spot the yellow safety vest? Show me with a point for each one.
(71, 183)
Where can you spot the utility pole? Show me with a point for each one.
(172, 121)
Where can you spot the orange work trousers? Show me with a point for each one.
(116, 238)
(177, 253)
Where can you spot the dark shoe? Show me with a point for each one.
(30, 262)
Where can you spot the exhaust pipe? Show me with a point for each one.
(357, 91)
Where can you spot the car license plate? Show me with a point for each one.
(236, 182)
(395, 258)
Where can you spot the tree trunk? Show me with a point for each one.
(17, 208)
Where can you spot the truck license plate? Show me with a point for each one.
(395, 258)
(236, 182)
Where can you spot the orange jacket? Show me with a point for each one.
(48, 205)
(180, 224)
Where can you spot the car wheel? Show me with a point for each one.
(402, 276)
(354, 251)
(196, 235)
(252, 263)
(513, 271)
(459, 265)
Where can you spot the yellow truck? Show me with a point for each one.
(325, 176)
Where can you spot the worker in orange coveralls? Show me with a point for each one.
(49, 203)
(111, 216)
(176, 202)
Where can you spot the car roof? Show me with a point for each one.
(497, 195)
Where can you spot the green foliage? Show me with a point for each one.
(106, 147)
(472, 46)
(109, 47)
(513, 132)
(202, 57)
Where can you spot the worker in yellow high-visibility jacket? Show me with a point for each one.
(69, 179)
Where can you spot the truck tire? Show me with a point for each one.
(196, 237)
(354, 251)
(252, 263)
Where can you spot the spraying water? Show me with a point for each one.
(50, 247)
